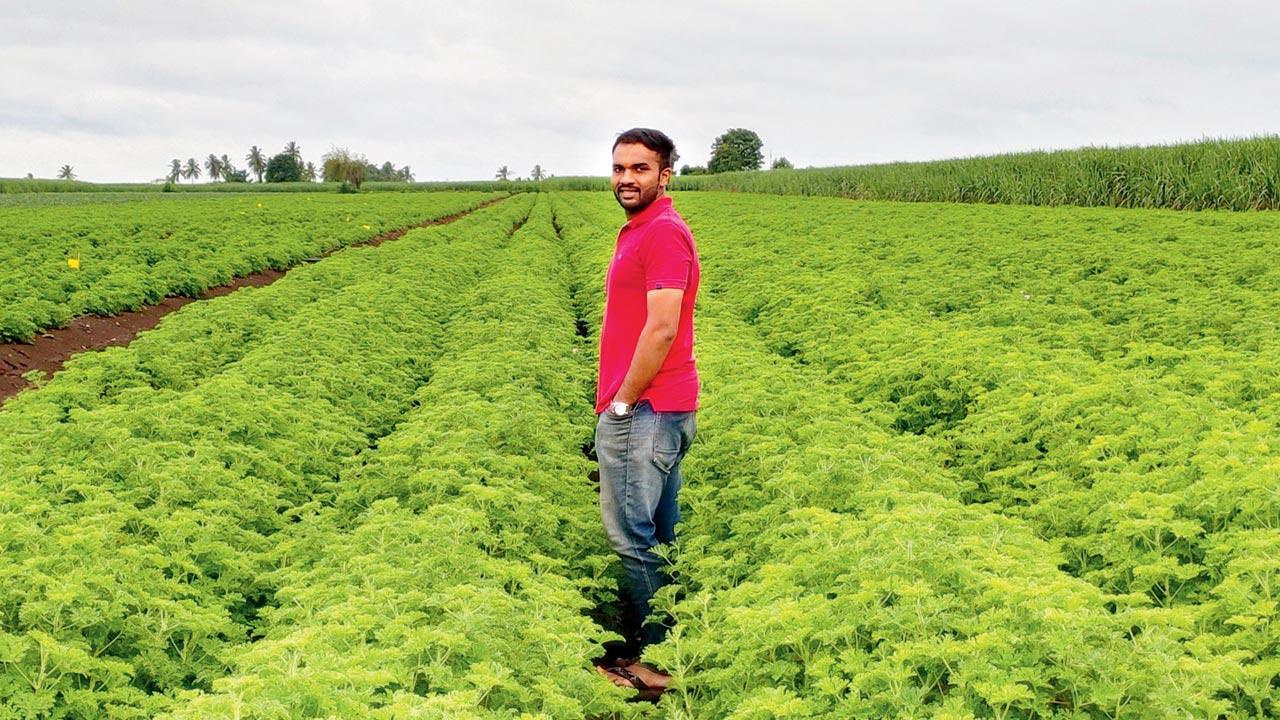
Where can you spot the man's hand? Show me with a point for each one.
(661, 321)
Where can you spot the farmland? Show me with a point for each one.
(60, 262)
(952, 461)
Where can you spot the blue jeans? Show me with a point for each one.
(639, 457)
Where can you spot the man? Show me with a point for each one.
(647, 392)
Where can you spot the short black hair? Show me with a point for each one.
(655, 140)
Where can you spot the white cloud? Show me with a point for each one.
(457, 89)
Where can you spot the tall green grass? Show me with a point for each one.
(1239, 174)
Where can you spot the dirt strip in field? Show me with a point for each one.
(50, 349)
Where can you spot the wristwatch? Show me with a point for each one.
(618, 408)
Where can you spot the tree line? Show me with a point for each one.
(337, 165)
(736, 149)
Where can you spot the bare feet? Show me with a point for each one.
(650, 681)
(650, 675)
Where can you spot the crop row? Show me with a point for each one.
(1210, 174)
(139, 528)
(450, 575)
(1108, 377)
(829, 566)
(63, 261)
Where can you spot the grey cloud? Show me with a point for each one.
(456, 89)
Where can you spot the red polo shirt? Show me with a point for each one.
(655, 250)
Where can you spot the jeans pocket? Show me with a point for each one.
(667, 441)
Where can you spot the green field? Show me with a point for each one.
(953, 461)
(61, 261)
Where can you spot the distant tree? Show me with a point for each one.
(30, 176)
(341, 165)
(309, 172)
(692, 170)
(781, 164)
(192, 169)
(292, 149)
(388, 171)
(229, 172)
(284, 168)
(406, 174)
(66, 172)
(175, 171)
(536, 173)
(502, 174)
(257, 161)
(736, 149)
(214, 166)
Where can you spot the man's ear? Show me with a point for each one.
(664, 177)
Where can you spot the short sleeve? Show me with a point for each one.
(667, 256)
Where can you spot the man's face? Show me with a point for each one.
(637, 181)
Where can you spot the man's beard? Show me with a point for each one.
(644, 199)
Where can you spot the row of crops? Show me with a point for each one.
(60, 261)
(307, 500)
(1234, 174)
(921, 488)
(953, 461)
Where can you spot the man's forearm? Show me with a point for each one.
(651, 351)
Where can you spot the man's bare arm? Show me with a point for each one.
(661, 321)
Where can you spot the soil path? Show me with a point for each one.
(50, 349)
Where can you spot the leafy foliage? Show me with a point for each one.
(284, 168)
(343, 166)
(736, 149)
(135, 254)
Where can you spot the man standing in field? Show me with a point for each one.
(647, 392)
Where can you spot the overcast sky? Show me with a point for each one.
(455, 89)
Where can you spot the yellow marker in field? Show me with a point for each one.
(367, 227)
(73, 263)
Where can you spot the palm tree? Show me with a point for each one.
(192, 170)
(502, 174)
(309, 172)
(228, 168)
(536, 173)
(257, 162)
(406, 174)
(293, 149)
(175, 171)
(66, 172)
(214, 166)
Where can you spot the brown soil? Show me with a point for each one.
(49, 350)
